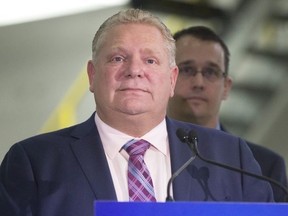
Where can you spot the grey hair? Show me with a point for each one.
(134, 16)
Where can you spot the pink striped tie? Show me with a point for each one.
(139, 180)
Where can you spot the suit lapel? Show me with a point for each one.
(89, 151)
(180, 153)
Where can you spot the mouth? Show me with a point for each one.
(196, 99)
(132, 89)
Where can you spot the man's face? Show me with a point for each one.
(131, 74)
(198, 98)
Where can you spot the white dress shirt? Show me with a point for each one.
(157, 158)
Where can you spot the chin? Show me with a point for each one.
(132, 110)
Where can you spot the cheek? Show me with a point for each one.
(218, 94)
(106, 77)
(101, 85)
(182, 87)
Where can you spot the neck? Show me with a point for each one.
(133, 125)
(203, 121)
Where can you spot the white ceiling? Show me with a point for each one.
(19, 11)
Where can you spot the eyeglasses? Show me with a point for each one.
(209, 73)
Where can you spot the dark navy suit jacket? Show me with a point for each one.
(272, 166)
(63, 172)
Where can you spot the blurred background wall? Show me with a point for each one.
(43, 84)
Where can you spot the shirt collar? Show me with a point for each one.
(218, 127)
(113, 140)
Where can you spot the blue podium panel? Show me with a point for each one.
(103, 208)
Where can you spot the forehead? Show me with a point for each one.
(134, 32)
(131, 38)
(189, 48)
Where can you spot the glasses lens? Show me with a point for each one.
(211, 74)
(187, 70)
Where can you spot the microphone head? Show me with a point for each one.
(193, 142)
(192, 136)
(182, 135)
(189, 138)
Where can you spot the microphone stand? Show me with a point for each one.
(192, 142)
(169, 197)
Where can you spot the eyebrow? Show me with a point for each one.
(118, 49)
(188, 62)
(145, 51)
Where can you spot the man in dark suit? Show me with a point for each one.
(203, 83)
(132, 75)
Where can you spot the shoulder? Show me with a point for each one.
(260, 152)
(265, 152)
(209, 139)
(271, 163)
(55, 139)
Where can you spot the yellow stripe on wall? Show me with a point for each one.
(65, 113)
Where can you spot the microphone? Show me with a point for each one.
(175, 174)
(192, 141)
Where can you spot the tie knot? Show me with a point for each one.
(138, 147)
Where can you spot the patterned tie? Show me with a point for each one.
(139, 180)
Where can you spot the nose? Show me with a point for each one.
(198, 80)
(135, 68)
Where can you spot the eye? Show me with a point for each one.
(211, 72)
(187, 70)
(151, 61)
(118, 59)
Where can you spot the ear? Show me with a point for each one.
(91, 74)
(173, 78)
(228, 82)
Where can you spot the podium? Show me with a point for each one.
(106, 208)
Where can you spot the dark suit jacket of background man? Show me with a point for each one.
(272, 166)
(63, 172)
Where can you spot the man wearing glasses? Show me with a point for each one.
(203, 83)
